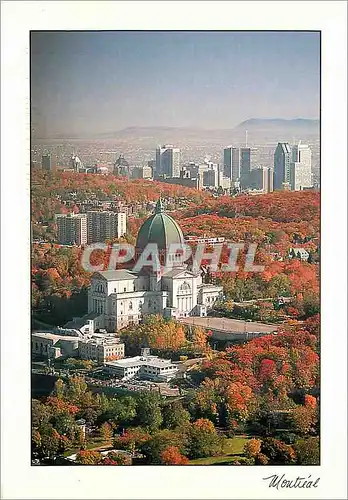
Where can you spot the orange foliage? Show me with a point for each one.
(172, 456)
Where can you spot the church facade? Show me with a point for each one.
(122, 297)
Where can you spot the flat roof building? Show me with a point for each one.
(101, 348)
(146, 367)
(103, 225)
(72, 229)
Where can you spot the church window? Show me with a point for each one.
(130, 305)
(124, 289)
(184, 289)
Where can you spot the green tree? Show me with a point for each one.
(40, 413)
(159, 442)
(64, 423)
(204, 440)
(77, 388)
(149, 410)
(175, 415)
(50, 443)
(119, 411)
(308, 451)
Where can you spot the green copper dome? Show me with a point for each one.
(160, 228)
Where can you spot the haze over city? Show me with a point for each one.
(175, 229)
(90, 83)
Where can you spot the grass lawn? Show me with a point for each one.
(232, 451)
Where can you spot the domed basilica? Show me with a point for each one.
(122, 297)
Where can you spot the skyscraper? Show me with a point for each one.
(301, 167)
(232, 163)
(46, 162)
(72, 229)
(168, 161)
(282, 160)
(75, 163)
(247, 163)
(105, 225)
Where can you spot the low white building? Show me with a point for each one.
(101, 348)
(50, 345)
(300, 252)
(146, 367)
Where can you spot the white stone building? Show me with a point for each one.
(122, 297)
(146, 367)
(100, 348)
(50, 345)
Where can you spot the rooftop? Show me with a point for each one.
(80, 322)
(117, 275)
(53, 336)
(140, 360)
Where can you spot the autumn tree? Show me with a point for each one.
(76, 389)
(59, 389)
(117, 459)
(156, 332)
(132, 439)
(172, 456)
(204, 440)
(106, 432)
(277, 451)
(304, 418)
(199, 339)
(88, 457)
(160, 441)
(252, 448)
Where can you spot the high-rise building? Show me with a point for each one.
(72, 229)
(75, 163)
(168, 161)
(210, 178)
(261, 178)
(232, 163)
(104, 225)
(301, 167)
(248, 157)
(144, 172)
(46, 162)
(302, 153)
(282, 160)
(121, 167)
(270, 180)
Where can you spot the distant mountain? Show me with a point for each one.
(175, 135)
(278, 123)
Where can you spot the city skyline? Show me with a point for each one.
(90, 82)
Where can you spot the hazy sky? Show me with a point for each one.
(98, 82)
